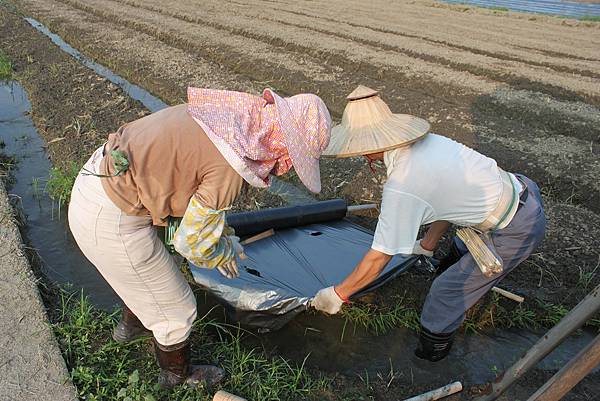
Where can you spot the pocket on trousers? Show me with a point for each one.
(141, 244)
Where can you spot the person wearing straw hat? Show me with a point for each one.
(434, 180)
(185, 161)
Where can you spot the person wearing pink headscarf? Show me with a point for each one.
(186, 161)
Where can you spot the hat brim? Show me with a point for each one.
(397, 131)
(306, 166)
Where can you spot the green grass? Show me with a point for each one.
(381, 319)
(7, 165)
(102, 369)
(60, 183)
(5, 67)
(493, 312)
(36, 187)
(594, 18)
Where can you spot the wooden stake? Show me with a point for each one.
(508, 294)
(571, 322)
(441, 392)
(254, 238)
(571, 374)
(225, 396)
(356, 208)
(258, 237)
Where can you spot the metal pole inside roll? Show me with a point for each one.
(571, 322)
(571, 374)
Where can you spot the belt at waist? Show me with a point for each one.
(507, 205)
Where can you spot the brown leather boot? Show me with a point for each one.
(175, 367)
(129, 327)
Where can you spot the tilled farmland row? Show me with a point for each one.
(241, 47)
(316, 35)
(388, 52)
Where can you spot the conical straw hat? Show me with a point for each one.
(369, 126)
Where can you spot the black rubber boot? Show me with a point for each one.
(129, 327)
(451, 258)
(434, 347)
(175, 367)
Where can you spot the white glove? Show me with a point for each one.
(419, 250)
(235, 242)
(328, 301)
(229, 269)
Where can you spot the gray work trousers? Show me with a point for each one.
(463, 284)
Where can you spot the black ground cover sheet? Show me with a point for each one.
(283, 272)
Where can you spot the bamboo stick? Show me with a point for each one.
(258, 237)
(508, 294)
(484, 257)
(571, 374)
(436, 394)
(571, 322)
(254, 238)
(356, 208)
(225, 396)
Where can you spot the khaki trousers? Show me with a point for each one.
(131, 258)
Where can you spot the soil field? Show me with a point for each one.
(524, 89)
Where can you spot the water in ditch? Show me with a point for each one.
(47, 229)
(332, 345)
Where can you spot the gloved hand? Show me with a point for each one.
(237, 246)
(327, 300)
(229, 269)
(419, 250)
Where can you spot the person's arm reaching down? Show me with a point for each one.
(330, 299)
(432, 237)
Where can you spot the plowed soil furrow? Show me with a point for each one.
(498, 27)
(454, 27)
(412, 46)
(72, 28)
(202, 38)
(478, 62)
(304, 40)
(279, 32)
(110, 22)
(167, 71)
(332, 92)
(408, 29)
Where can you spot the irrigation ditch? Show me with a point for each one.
(326, 358)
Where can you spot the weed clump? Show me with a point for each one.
(379, 319)
(5, 67)
(60, 182)
(7, 165)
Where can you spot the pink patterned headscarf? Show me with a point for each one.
(263, 135)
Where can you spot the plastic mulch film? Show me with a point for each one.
(283, 272)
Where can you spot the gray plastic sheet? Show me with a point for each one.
(284, 272)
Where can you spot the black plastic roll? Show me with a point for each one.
(250, 223)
